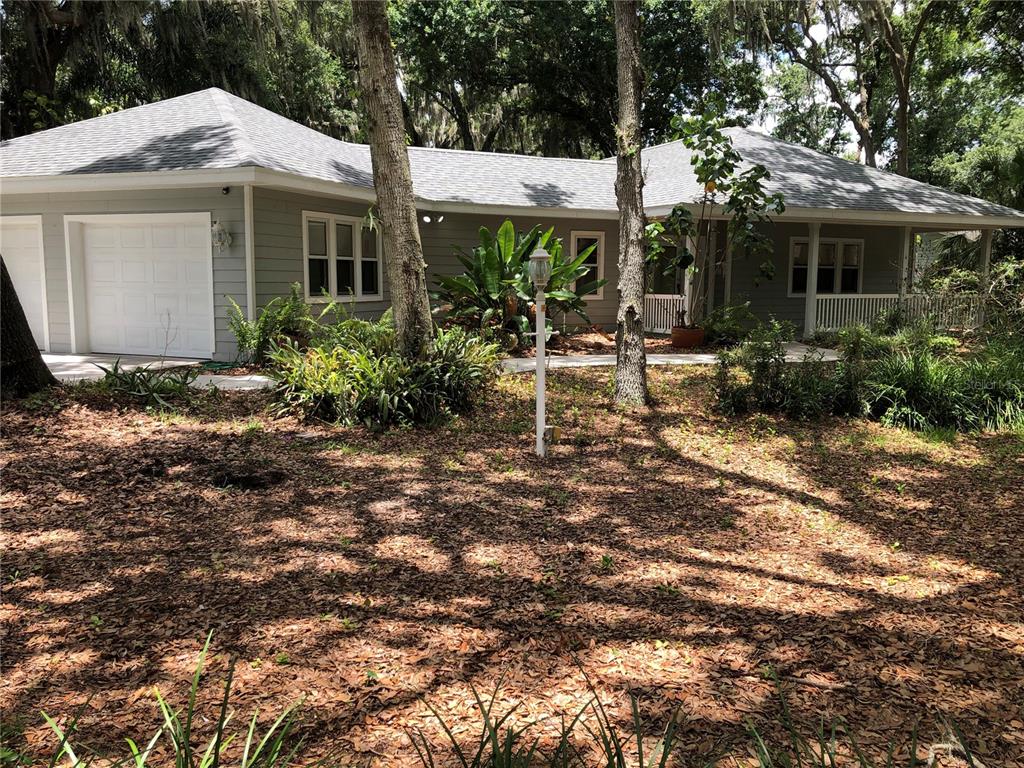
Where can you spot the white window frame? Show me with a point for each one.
(358, 225)
(598, 235)
(839, 242)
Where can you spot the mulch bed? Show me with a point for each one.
(670, 552)
(599, 342)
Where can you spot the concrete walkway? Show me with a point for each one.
(795, 352)
(68, 368)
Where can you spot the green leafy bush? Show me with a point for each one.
(283, 316)
(921, 390)
(495, 294)
(360, 379)
(729, 325)
(909, 379)
(152, 384)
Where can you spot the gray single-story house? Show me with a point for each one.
(128, 233)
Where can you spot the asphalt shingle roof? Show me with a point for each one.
(214, 129)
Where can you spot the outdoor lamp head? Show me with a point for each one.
(540, 267)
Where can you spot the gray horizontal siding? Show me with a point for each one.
(228, 265)
(277, 233)
(278, 238)
(769, 298)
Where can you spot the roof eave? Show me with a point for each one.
(265, 177)
(875, 218)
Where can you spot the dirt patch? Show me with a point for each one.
(599, 342)
(671, 552)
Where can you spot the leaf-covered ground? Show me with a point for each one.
(673, 552)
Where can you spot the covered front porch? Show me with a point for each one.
(821, 276)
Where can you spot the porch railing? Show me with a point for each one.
(661, 311)
(949, 312)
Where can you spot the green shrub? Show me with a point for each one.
(152, 384)
(763, 357)
(376, 336)
(729, 325)
(909, 379)
(287, 316)
(360, 378)
(920, 390)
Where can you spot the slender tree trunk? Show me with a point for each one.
(392, 179)
(22, 370)
(631, 359)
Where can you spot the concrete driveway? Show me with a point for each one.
(68, 368)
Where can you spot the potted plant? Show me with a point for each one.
(686, 336)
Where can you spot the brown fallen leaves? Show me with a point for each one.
(683, 556)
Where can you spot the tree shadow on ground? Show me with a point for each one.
(675, 553)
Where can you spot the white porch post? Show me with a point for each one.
(986, 259)
(250, 255)
(906, 244)
(688, 286)
(712, 265)
(811, 298)
(727, 287)
(983, 276)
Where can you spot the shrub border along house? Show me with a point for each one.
(912, 378)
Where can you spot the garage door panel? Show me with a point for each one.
(134, 236)
(19, 244)
(100, 236)
(166, 236)
(103, 269)
(135, 308)
(151, 293)
(136, 271)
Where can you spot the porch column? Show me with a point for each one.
(250, 255)
(986, 259)
(906, 247)
(688, 285)
(712, 265)
(983, 272)
(811, 297)
(727, 274)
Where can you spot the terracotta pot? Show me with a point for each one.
(687, 338)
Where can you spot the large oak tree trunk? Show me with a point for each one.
(403, 251)
(22, 370)
(631, 359)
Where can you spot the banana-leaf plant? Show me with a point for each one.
(495, 293)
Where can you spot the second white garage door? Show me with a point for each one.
(148, 286)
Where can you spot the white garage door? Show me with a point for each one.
(19, 244)
(148, 287)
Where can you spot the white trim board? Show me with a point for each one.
(839, 242)
(36, 220)
(599, 236)
(274, 179)
(331, 220)
(76, 273)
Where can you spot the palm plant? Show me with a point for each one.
(495, 293)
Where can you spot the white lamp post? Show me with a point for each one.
(540, 273)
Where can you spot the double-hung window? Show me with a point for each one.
(342, 258)
(840, 266)
(579, 242)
